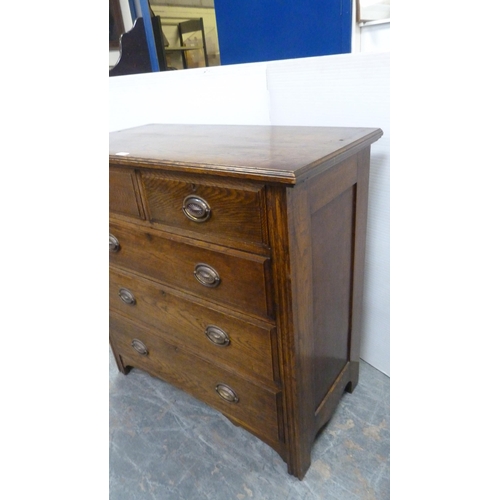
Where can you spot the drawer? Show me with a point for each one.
(229, 277)
(212, 209)
(214, 335)
(252, 406)
(123, 193)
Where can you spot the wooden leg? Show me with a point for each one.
(119, 362)
(298, 468)
(354, 376)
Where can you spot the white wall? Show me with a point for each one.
(223, 94)
(340, 90)
(349, 90)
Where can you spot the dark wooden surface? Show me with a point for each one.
(243, 284)
(257, 405)
(270, 153)
(331, 244)
(185, 320)
(288, 239)
(236, 208)
(123, 198)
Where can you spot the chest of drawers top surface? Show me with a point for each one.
(283, 154)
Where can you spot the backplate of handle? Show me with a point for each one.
(126, 296)
(140, 347)
(206, 275)
(196, 208)
(226, 393)
(114, 244)
(217, 335)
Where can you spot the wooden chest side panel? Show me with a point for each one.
(321, 257)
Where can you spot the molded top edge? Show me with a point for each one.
(282, 154)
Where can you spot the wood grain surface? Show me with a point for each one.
(286, 235)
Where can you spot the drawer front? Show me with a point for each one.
(122, 193)
(216, 336)
(252, 406)
(235, 279)
(206, 207)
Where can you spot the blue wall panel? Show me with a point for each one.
(266, 30)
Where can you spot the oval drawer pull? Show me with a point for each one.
(196, 208)
(206, 275)
(226, 393)
(217, 336)
(114, 244)
(140, 347)
(126, 296)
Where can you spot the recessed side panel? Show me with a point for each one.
(332, 242)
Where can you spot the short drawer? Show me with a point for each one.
(210, 208)
(252, 406)
(213, 334)
(123, 193)
(229, 277)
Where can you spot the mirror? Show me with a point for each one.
(185, 32)
(368, 11)
(256, 31)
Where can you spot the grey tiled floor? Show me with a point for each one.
(166, 445)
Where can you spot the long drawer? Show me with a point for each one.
(214, 334)
(237, 279)
(252, 406)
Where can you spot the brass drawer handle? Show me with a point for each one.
(140, 347)
(206, 275)
(127, 296)
(226, 393)
(196, 208)
(114, 244)
(217, 336)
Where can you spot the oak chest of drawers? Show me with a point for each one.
(236, 269)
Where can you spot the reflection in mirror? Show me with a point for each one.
(373, 10)
(120, 22)
(116, 27)
(256, 38)
(190, 32)
(185, 35)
